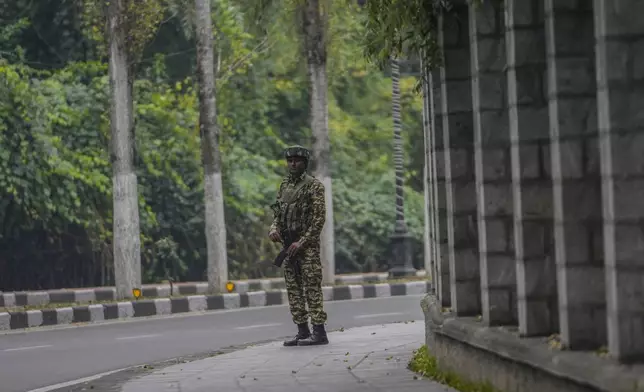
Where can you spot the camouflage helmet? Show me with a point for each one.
(297, 151)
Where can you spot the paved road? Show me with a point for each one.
(36, 359)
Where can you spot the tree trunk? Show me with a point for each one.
(315, 48)
(213, 192)
(127, 242)
(401, 226)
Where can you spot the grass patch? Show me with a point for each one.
(425, 365)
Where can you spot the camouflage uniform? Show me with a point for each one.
(300, 210)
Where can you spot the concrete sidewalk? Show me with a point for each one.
(370, 358)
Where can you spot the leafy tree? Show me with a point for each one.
(55, 149)
(129, 24)
(397, 28)
(47, 34)
(211, 156)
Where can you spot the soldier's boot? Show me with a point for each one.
(318, 337)
(303, 332)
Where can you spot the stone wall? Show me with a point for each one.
(493, 173)
(458, 143)
(619, 34)
(572, 98)
(536, 174)
(438, 184)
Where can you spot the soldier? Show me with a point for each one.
(299, 217)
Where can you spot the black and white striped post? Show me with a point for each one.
(400, 263)
(400, 259)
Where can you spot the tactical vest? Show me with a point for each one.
(291, 203)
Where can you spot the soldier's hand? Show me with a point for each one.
(274, 236)
(292, 250)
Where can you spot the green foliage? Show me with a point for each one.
(403, 28)
(166, 263)
(52, 167)
(48, 168)
(235, 47)
(425, 365)
(139, 19)
(43, 34)
(8, 38)
(55, 173)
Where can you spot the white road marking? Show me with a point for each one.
(75, 382)
(259, 326)
(26, 348)
(138, 337)
(373, 315)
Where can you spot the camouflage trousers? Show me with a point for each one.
(303, 277)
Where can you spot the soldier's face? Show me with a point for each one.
(296, 165)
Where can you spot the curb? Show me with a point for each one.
(40, 298)
(195, 303)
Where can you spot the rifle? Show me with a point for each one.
(287, 240)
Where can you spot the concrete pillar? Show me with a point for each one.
(531, 182)
(619, 34)
(430, 260)
(456, 92)
(492, 164)
(441, 248)
(578, 236)
(427, 235)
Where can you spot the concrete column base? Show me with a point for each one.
(400, 263)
